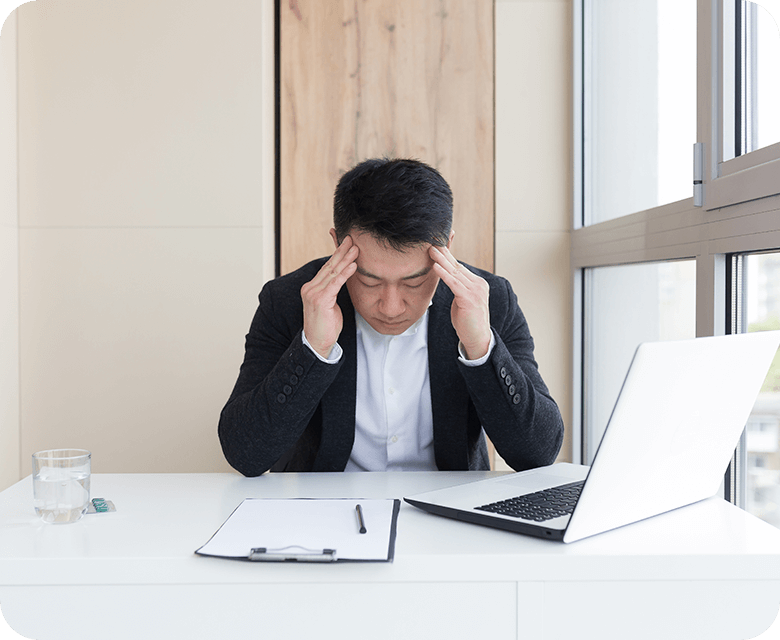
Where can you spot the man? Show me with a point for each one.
(390, 354)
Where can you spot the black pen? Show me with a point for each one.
(361, 522)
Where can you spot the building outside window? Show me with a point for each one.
(760, 283)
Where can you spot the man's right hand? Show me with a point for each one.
(322, 318)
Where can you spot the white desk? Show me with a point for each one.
(707, 571)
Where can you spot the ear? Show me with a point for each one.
(335, 239)
(449, 242)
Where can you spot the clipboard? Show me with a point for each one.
(307, 530)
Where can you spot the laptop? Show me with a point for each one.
(677, 420)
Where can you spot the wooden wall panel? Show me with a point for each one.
(399, 78)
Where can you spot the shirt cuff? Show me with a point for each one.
(475, 363)
(333, 357)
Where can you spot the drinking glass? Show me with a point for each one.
(61, 484)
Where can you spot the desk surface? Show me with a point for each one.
(162, 519)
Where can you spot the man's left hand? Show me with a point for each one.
(470, 312)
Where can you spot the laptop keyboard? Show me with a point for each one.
(541, 505)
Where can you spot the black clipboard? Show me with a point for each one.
(308, 530)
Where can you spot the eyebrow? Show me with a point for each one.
(419, 274)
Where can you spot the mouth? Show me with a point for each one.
(394, 326)
(391, 323)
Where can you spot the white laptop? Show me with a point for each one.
(668, 443)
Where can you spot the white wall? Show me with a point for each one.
(534, 178)
(9, 261)
(144, 221)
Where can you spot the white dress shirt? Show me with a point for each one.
(393, 415)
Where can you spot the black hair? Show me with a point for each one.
(401, 202)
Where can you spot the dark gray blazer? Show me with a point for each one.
(291, 412)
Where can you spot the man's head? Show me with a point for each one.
(393, 211)
(401, 203)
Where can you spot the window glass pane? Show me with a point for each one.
(640, 105)
(761, 290)
(627, 305)
(767, 123)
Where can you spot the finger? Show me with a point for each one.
(450, 278)
(345, 245)
(333, 278)
(445, 251)
(340, 253)
(335, 265)
(443, 257)
(339, 276)
(461, 270)
(447, 259)
(447, 263)
(319, 298)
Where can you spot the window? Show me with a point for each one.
(744, 98)
(757, 290)
(628, 305)
(755, 93)
(640, 106)
(635, 218)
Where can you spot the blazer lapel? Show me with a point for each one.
(449, 395)
(338, 403)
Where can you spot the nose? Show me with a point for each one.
(391, 304)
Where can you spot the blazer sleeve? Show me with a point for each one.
(279, 386)
(512, 401)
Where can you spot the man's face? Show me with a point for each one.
(391, 289)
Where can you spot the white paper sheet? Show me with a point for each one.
(301, 527)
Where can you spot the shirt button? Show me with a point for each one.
(391, 391)
(394, 439)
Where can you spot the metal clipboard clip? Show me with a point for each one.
(292, 553)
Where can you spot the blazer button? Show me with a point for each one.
(503, 372)
(299, 370)
(508, 380)
(512, 389)
(293, 379)
(287, 389)
(281, 398)
(516, 399)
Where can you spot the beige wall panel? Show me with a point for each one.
(533, 179)
(533, 115)
(9, 261)
(9, 211)
(537, 265)
(131, 341)
(146, 208)
(399, 78)
(141, 112)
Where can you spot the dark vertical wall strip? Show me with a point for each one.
(277, 142)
